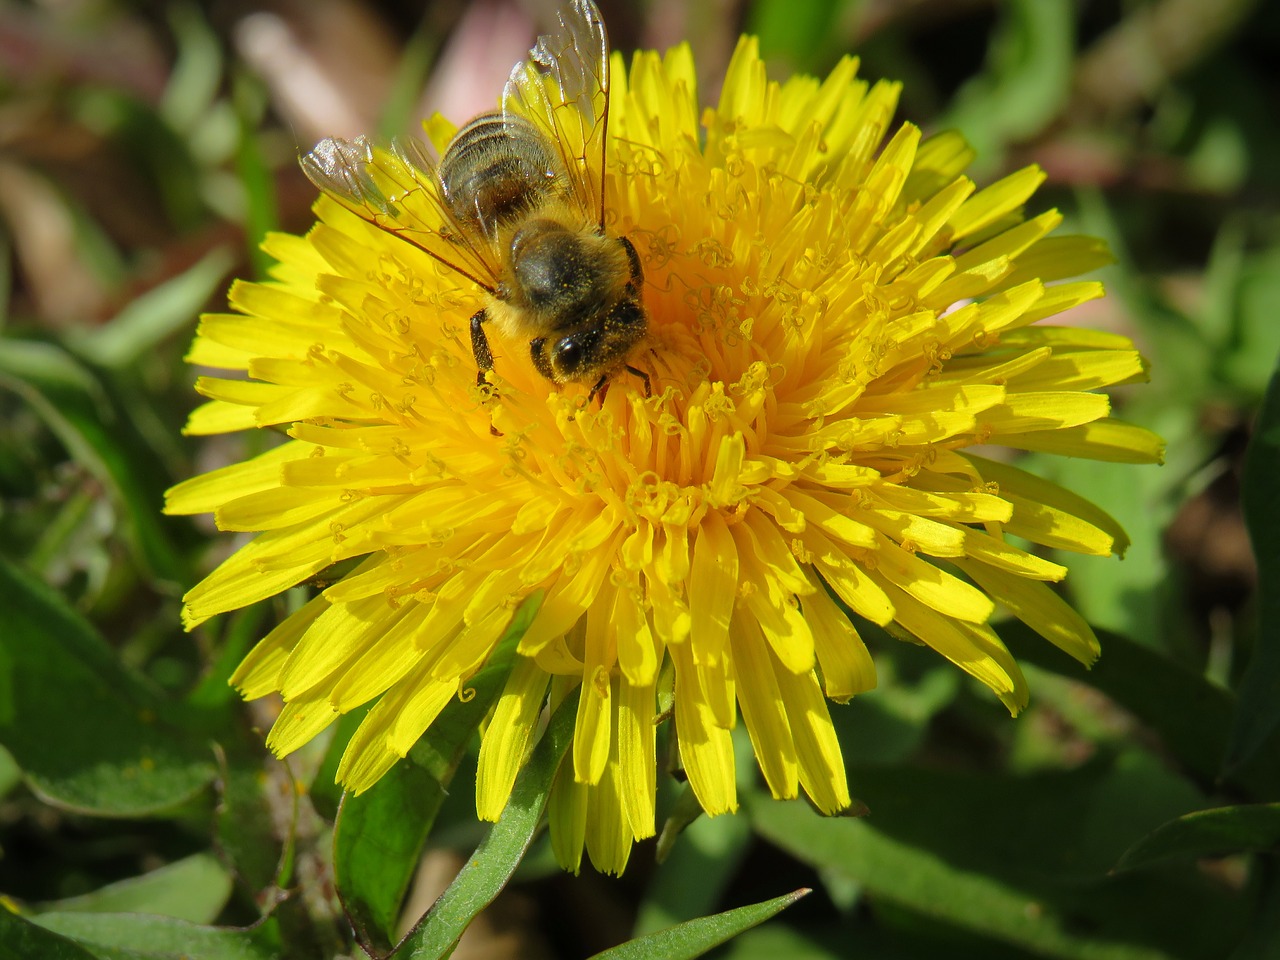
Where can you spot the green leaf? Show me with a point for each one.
(1208, 833)
(694, 874)
(245, 827)
(77, 408)
(1121, 595)
(1095, 810)
(800, 33)
(196, 75)
(89, 735)
(379, 835)
(194, 889)
(695, 937)
(378, 841)
(1258, 711)
(1256, 340)
(261, 210)
(495, 860)
(157, 314)
(133, 936)
(1262, 932)
(1023, 860)
(325, 791)
(1026, 80)
(806, 943)
(1191, 715)
(22, 939)
(10, 773)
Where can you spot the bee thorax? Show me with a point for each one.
(562, 271)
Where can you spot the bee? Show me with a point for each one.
(516, 204)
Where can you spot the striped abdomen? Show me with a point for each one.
(496, 170)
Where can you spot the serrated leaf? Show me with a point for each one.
(1208, 833)
(193, 889)
(693, 938)
(88, 734)
(484, 875)
(1258, 708)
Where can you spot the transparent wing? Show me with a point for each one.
(563, 89)
(397, 190)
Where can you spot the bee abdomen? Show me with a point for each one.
(496, 170)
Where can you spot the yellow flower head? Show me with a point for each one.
(833, 322)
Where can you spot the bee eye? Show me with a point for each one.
(568, 356)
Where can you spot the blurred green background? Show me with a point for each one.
(1131, 812)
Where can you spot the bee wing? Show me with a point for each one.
(563, 89)
(397, 190)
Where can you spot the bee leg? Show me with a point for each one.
(484, 356)
(480, 346)
(637, 271)
(644, 377)
(598, 389)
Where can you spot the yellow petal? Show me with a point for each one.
(996, 201)
(945, 635)
(847, 667)
(300, 721)
(763, 711)
(850, 581)
(567, 818)
(706, 750)
(931, 585)
(713, 586)
(608, 832)
(259, 672)
(1036, 605)
(1046, 513)
(1110, 440)
(503, 747)
(820, 762)
(637, 758)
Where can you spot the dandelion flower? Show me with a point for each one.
(837, 317)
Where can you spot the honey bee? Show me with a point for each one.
(516, 204)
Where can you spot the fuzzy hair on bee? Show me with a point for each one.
(516, 205)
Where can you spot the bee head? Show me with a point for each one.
(593, 347)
